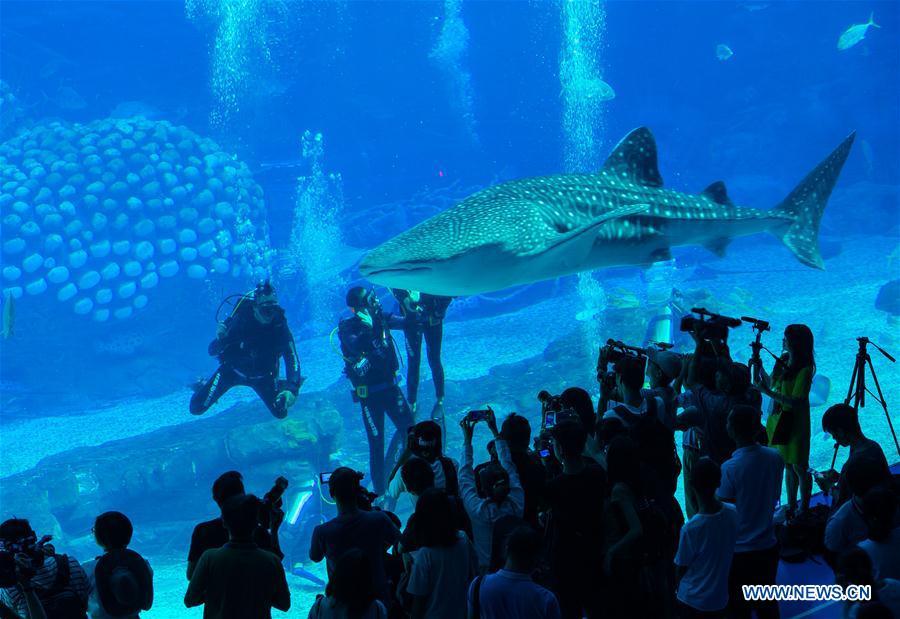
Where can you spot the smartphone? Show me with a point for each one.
(324, 478)
(554, 417)
(545, 453)
(478, 415)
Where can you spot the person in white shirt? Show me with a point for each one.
(445, 562)
(846, 527)
(883, 543)
(504, 494)
(511, 593)
(751, 480)
(424, 441)
(705, 548)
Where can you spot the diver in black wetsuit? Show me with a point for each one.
(425, 319)
(371, 363)
(250, 345)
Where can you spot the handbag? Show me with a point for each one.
(781, 435)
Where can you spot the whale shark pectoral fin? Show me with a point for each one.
(718, 246)
(634, 160)
(572, 248)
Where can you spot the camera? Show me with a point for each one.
(554, 417)
(707, 325)
(550, 402)
(272, 502)
(478, 415)
(21, 558)
(613, 352)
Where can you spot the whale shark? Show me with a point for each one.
(532, 229)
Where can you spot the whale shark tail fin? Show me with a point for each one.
(802, 209)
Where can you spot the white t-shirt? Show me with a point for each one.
(752, 478)
(845, 527)
(328, 608)
(706, 547)
(396, 488)
(885, 555)
(661, 411)
(442, 575)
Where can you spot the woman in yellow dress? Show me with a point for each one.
(788, 426)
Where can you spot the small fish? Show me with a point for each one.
(9, 316)
(856, 33)
(723, 52)
(598, 90)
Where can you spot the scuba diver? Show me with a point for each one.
(250, 344)
(425, 319)
(371, 363)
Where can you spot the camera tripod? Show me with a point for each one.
(856, 393)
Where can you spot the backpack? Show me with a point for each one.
(804, 536)
(114, 564)
(629, 418)
(61, 601)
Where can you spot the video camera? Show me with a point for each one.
(615, 351)
(26, 554)
(707, 325)
(271, 503)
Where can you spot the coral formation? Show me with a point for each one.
(99, 213)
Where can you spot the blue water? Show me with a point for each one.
(192, 119)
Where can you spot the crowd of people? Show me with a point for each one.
(578, 517)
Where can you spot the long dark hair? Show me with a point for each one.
(351, 583)
(435, 519)
(623, 465)
(800, 340)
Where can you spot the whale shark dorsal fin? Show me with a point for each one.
(634, 159)
(717, 193)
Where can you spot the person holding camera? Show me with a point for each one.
(214, 534)
(663, 369)
(240, 579)
(424, 441)
(250, 345)
(59, 581)
(16, 573)
(788, 426)
(621, 389)
(121, 580)
(503, 495)
(841, 421)
(703, 400)
(425, 319)
(370, 531)
(371, 364)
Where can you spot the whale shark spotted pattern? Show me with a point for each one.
(538, 228)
